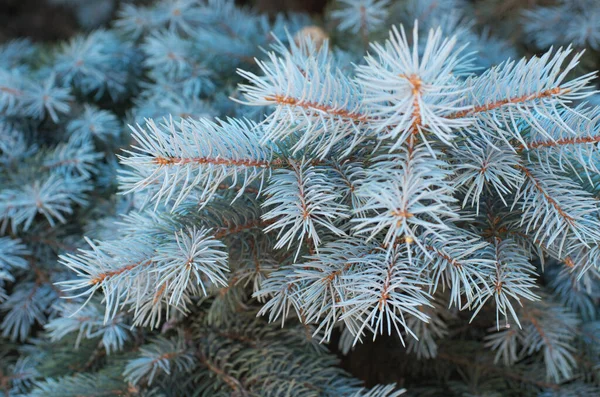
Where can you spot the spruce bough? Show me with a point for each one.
(322, 197)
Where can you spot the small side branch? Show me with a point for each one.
(508, 101)
(333, 111)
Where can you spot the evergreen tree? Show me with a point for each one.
(199, 199)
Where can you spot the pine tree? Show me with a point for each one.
(200, 199)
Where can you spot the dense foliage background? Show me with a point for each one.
(256, 198)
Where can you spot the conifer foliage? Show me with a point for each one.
(202, 200)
